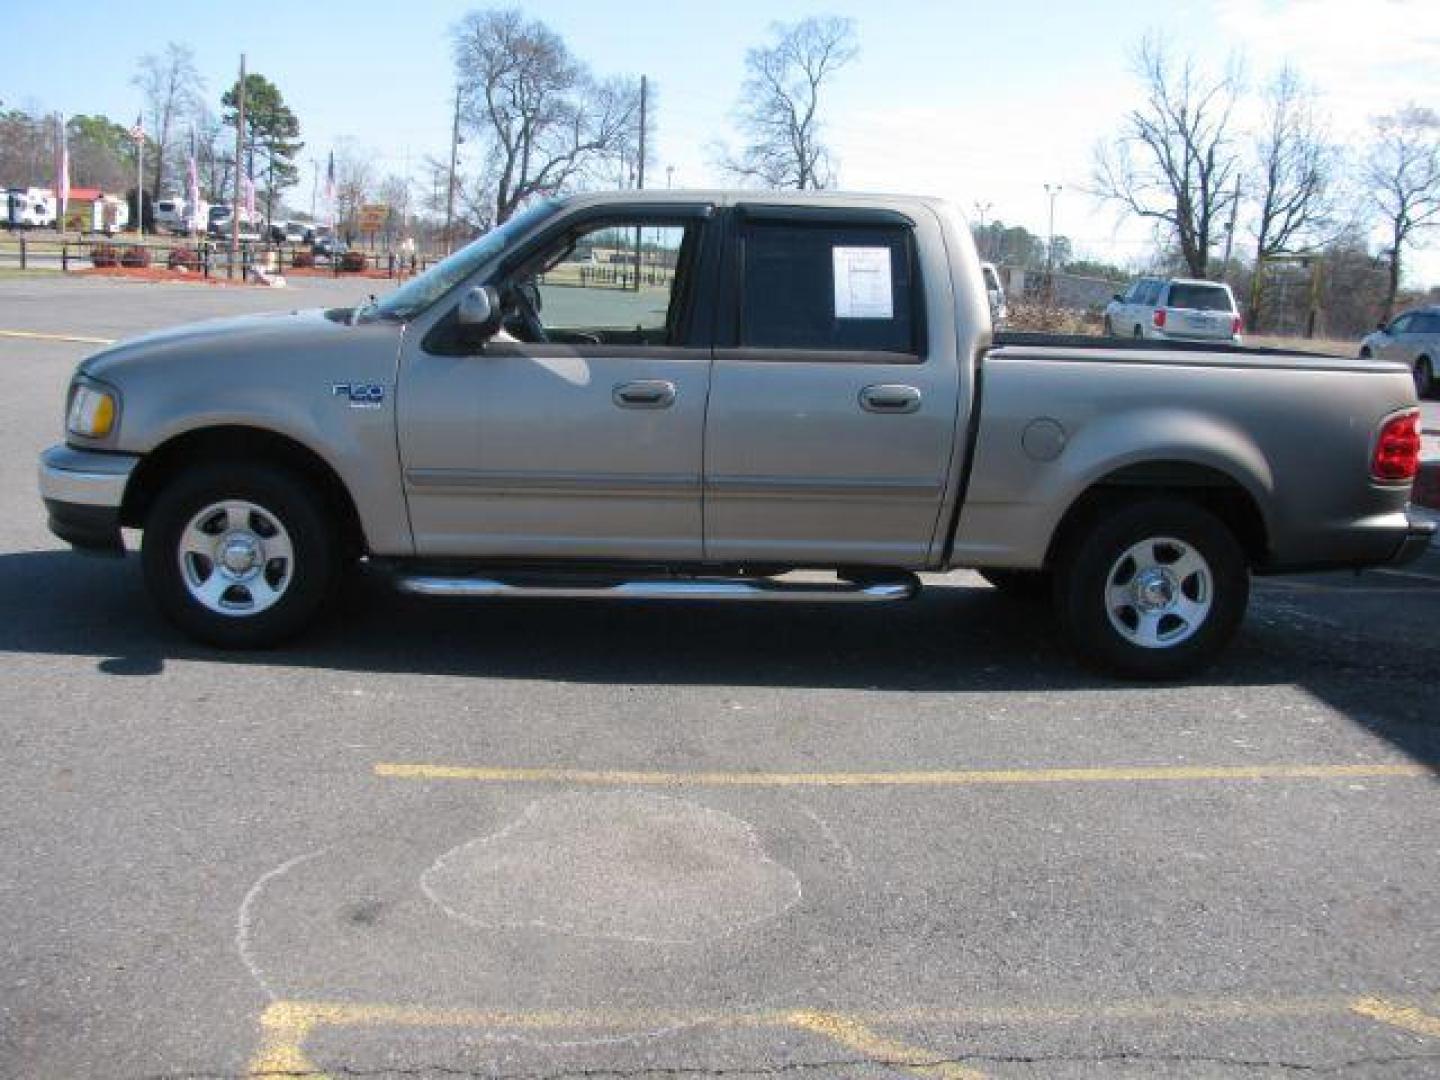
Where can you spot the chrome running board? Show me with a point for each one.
(876, 591)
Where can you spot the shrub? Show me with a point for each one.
(104, 255)
(183, 258)
(302, 260)
(352, 261)
(135, 257)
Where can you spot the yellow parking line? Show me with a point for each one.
(286, 1025)
(848, 1032)
(1397, 1015)
(941, 778)
(35, 335)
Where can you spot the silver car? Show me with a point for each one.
(1174, 309)
(1412, 339)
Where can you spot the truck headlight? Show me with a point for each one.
(92, 412)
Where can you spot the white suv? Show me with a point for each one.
(1174, 309)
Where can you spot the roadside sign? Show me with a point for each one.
(371, 217)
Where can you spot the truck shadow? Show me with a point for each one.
(1363, 644)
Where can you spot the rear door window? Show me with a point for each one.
(1200, 298)
(828, 286)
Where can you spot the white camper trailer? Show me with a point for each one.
(29, 208)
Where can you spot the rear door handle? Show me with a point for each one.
(644, 394)
(890, 398)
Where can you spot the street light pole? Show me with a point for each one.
(454, 153)
(1053, 191)
(981, 209)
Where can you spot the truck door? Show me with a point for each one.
(834, 398)
(576, 434)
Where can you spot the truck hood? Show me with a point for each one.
(296, 332)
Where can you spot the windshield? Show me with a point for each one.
(415, 296)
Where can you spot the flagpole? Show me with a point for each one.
(140, 180)
(239, 164)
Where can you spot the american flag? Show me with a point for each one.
(247, 192)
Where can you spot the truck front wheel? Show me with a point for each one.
(239, 555)
(1154, 590)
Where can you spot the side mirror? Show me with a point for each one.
(479, 313)
(1118, 298)
(1382, 326)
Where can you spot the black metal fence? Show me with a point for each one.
(208, 258)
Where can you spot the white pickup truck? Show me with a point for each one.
(728, 387)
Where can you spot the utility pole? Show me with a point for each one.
(239, 164)
(454, 154)
(1230, 231)
(139, 180)
(981, 209)
(1052, 190)
(640, 169)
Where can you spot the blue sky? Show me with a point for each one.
(979, 102)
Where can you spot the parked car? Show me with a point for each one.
(172, 214)
(327, 246)
(807, 398)
(1174, 309)
(1412, 339)
(995, 293)
(287, 232)
(220, 224)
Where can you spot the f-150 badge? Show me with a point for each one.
(360, 395)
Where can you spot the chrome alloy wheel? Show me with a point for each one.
(236, 558)
(1159, 592)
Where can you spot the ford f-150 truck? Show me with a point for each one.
(689, 395)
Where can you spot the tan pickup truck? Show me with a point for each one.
(686, 396)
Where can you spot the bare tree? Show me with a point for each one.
(546, 122)
(779, 110)
(171, 85)
(1175, 159)
(354, 185)
(1296, 165)
(1402, 172)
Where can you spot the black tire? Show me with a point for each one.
(1139, 334)
(1033, 586)
(1084, 577)
(1109, 327)
(1424, 378)
(1366, 354)
(312, 535)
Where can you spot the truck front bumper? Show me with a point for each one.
(83, 492)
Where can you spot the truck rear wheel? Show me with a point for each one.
(1154, 590)
(239, 555)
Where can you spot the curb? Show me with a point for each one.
(1427, 485)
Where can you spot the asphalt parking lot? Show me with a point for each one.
(560, 840)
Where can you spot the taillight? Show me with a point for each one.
(1237, 324)
(1397, 450)
(1158, 318)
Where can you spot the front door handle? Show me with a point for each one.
(890, 398)
(644, 394)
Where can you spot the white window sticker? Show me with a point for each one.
(862, 283)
